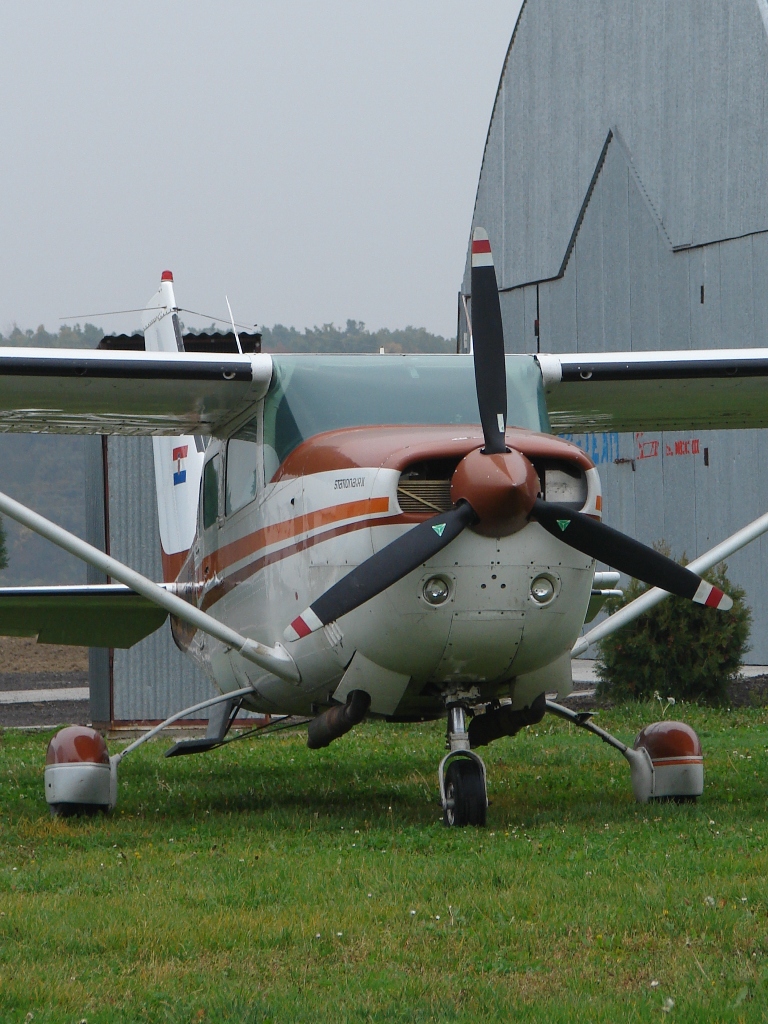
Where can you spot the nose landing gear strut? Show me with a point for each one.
(463, 784)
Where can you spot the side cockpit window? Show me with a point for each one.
(243, 468)
(242, 473)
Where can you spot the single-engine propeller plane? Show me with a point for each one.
(396, 536)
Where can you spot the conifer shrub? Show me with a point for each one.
(677, 649)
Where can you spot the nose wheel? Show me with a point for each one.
(465, 799)
(463, 784)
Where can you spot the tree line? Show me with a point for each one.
(354, 337)
(88, 336)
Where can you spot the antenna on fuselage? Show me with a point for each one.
(471, 340)
(237, 336)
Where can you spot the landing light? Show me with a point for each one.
(542, 590)
(436, 590)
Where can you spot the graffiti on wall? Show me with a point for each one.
(650, 448)
(604, 447)
(601, 448)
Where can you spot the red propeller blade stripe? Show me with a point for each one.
(300, 627)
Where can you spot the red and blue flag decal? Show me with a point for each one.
(179, 455)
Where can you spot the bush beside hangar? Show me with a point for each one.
(623, 189)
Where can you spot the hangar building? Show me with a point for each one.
(624, 186)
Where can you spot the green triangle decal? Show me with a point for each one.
(439, 529)
(563, 524)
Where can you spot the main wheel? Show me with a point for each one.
(465, 793)
(77, 810)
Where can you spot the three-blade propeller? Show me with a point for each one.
(497, 490)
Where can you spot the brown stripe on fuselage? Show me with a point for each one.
(245, 572)
(236, 550)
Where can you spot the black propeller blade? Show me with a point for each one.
(383, 569)
(488, 340)
(626, 554)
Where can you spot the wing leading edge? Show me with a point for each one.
(639, 391)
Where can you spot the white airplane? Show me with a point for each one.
(340, 538)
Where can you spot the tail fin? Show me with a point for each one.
(178, 460)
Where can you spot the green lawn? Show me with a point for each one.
(267, 882)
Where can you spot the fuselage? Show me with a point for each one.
(286, 510)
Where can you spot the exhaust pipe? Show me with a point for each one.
(334, 722)
(504, 722)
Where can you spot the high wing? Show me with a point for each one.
(100, 615)
(101, 392)
(638, 391)
(107, 392)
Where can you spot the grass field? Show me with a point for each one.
(266, 882)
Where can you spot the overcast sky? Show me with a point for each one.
(313, 160)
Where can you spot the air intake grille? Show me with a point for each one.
(424, 495)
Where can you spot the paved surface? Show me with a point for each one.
(43, 699)
(583, 672)
(45, 715)
(65, 693)
(42, 680)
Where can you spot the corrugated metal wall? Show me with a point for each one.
(153, 679)
(624, 190)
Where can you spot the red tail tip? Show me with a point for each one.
(481, 245)
(166, 275)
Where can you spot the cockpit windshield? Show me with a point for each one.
(310, 394)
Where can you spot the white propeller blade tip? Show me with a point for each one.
(303, 625)
(481, 249)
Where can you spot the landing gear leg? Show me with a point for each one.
(463, 791)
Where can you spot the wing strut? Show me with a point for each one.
(273, 659)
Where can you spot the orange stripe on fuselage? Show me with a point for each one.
(239, 576)
(233, 552)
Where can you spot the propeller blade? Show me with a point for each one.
(383, 569)
(488, 340)
(626, 554)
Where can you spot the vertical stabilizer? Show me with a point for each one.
(178, 460)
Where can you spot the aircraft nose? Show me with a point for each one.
(501, 488)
